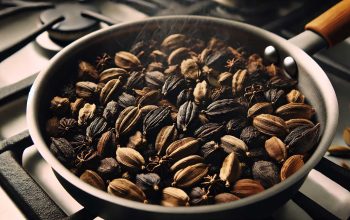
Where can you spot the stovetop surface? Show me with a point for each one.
(31, 59)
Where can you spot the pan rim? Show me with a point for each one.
(33, 124)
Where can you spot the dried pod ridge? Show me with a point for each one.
(276, 149)
(126, 100)
(260, 108)
(150, 98)
(295, 110)
(130, 158)
(136, 80)
(209, 131)
(173, 42)
(173, 85)
(155, 119)
(247, 187)
(233, 144)
(297, 122)
(270, 125)
(154, 79)
(185, 162)
(126, 60)
(173, 197)
(190, 175)
(230, 169)
(187, 114)
(86, 89)
(302, 139)
(107, 144)
(92, 178)
(110, 90)
(112, 73)
(126, 189)
(178, 55)
(224, 108)
(291, 165)
(165, 137)
(127, 120)
(182, 148)
(238, 81)
(184, 96)
(96, 128)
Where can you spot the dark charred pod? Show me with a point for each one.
(282, 82)
(154, 79)
(148, 181)
(210, 131)
(184, 96)
(87, 159)
(126, 100)
(156, 119)
(276, 96)
(107, 144)
(136, 80)
(212, 153)
(256, 154)
(302, 139)
(110, 112)
(96, 128)
(109, 168)
(266, 172)
(253, 137)
(187, 115)
(224, 109)
(198, 196)
(173, 85)
(62, 149)
(236, 125)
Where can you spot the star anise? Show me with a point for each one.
(254, 94)
(213, 184)
(104, 62)
(87, 158)
(235, 63)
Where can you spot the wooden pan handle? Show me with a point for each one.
(334, 24)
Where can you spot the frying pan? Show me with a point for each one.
(325, 31)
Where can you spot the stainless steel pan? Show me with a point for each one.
(313, 82)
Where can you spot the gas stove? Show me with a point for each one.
(32, 32)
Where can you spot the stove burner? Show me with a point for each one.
(249, 7)
(74, 24)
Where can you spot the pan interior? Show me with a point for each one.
(63, 67)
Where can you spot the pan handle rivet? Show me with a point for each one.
(290, 66)
(271, 54)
